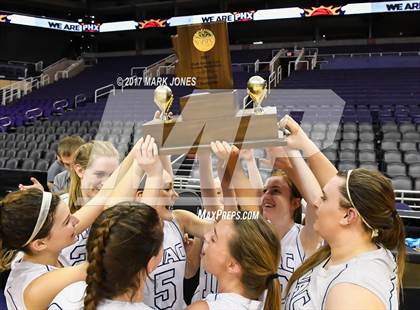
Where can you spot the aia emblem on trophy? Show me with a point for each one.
(204, 40)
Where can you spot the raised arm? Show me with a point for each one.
(247, 197)
(321, 167)
(207, 185)
(251, 164)
(229, 196)
(192, 224)
(41, 291)
(148, 159)
(298, 171)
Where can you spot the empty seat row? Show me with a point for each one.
(406, 136)
(401, 169)
(34, 154)
(402, 128)
(409, 157)
(392, 145)
(25, 164)
(348, 165)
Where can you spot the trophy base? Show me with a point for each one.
(177, 150)
(245, 130)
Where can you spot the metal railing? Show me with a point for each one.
(17, 89)
(271, 80)
(39, 65)
(371, 54)
(72, 70)
(62, 74)
(169, 69)
(152, 70)
(411, 198)
(60, 105)
(45, 79)
(29, 116)
(108, 89)
(258, 63)
(7, 123)
(275, 67)
(295, 63)
(79, 99)
(133, 69)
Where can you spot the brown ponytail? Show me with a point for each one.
(373, 196)
(129, 232)
(256, 248)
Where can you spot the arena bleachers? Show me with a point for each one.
(380, 125)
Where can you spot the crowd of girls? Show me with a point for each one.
(323, 239)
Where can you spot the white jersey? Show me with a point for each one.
(207, 285)
(76, 253)
(373, 270)
(23, 273)
(223, 301)
(109, 304)
(292, 255)
(70, 298)
(165, 290)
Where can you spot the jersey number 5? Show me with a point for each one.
(165, 290)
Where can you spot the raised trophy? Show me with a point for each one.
(212, 114)
(164, 98)
(257, 90)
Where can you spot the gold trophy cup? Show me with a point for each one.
(163, 98)
(257, 90)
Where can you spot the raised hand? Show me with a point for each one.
(297, 138)
(147, 156)
(277, 158)
(246, 154)
(158, 113)
(35, 184)
(223, 150)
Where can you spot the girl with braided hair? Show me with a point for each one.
(131, 233)
(40, 225)
(124, 246)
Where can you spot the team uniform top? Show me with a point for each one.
(76, 253)
(292, 255)
(165, 290)
(207, 285)
(23, 273)
(108, 304)
(374, 270)
(223, 301)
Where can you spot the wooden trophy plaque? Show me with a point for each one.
(203, 52)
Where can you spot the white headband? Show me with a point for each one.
(375, 232)
(42, 216)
